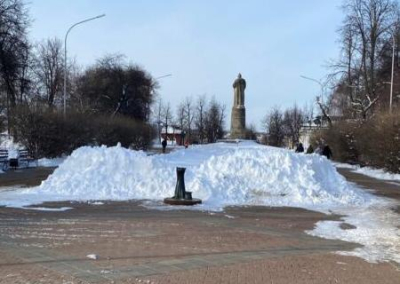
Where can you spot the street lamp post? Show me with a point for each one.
(65, 56)
(319, 83)
(167, 75)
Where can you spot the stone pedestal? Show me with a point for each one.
(238, 123)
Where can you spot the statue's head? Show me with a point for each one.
(240, 76)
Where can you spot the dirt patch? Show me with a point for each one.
(346, 226)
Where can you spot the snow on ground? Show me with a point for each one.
(371, 172)
(377, 229)
(48, 209)
(7, 142)
(44, 162)
(223, 174)
(220, 174)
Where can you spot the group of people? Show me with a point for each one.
(322, 149)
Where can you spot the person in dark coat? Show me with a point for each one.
(164, 145)
(327, 152)
(310, 149)
(300, 148)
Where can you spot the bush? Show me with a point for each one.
(128, 132)
(341, 139)
(380, 141)
(48, 134)
(374, 142)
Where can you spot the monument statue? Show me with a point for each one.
(239, 86)
(238, 119)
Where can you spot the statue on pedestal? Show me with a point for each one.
(239, 86)
(238, 120)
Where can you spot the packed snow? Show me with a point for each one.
(224, 174)
(219, 174)
(376, 228)
(7, 143)
(61, 209)
(371, 172)
(55, 162)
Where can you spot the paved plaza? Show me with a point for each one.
(134, 242)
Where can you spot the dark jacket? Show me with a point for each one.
(300, 148)
(327, 152)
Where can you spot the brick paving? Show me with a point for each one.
(135, 244)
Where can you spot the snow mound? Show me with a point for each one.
(220, 174)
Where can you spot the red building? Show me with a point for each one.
(173, 135)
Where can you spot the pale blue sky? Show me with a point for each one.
(205, 44)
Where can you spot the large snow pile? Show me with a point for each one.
(220, 174)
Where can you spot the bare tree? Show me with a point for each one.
(293, 120)
(49, 69)
(308, 111)
(366, 28)
(251, 132)
(200, 115)
(180, 115)
(167, 117)
(189, 116)
(274, 126)
(14, 53)
(214, 121)
(159, 117)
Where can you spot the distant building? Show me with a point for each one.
(311, 126)
(261, 137)
(173, 135)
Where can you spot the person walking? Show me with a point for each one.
(327, 152)
(300, 148)
(164, 145)
(310, 149)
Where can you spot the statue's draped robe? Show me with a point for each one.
(238, 119)
(239, 86)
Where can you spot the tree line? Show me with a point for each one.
(107, 102)
(283, 127)
(201, 119)
(363, 105)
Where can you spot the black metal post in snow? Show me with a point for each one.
(181, 196)
(180, 190)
